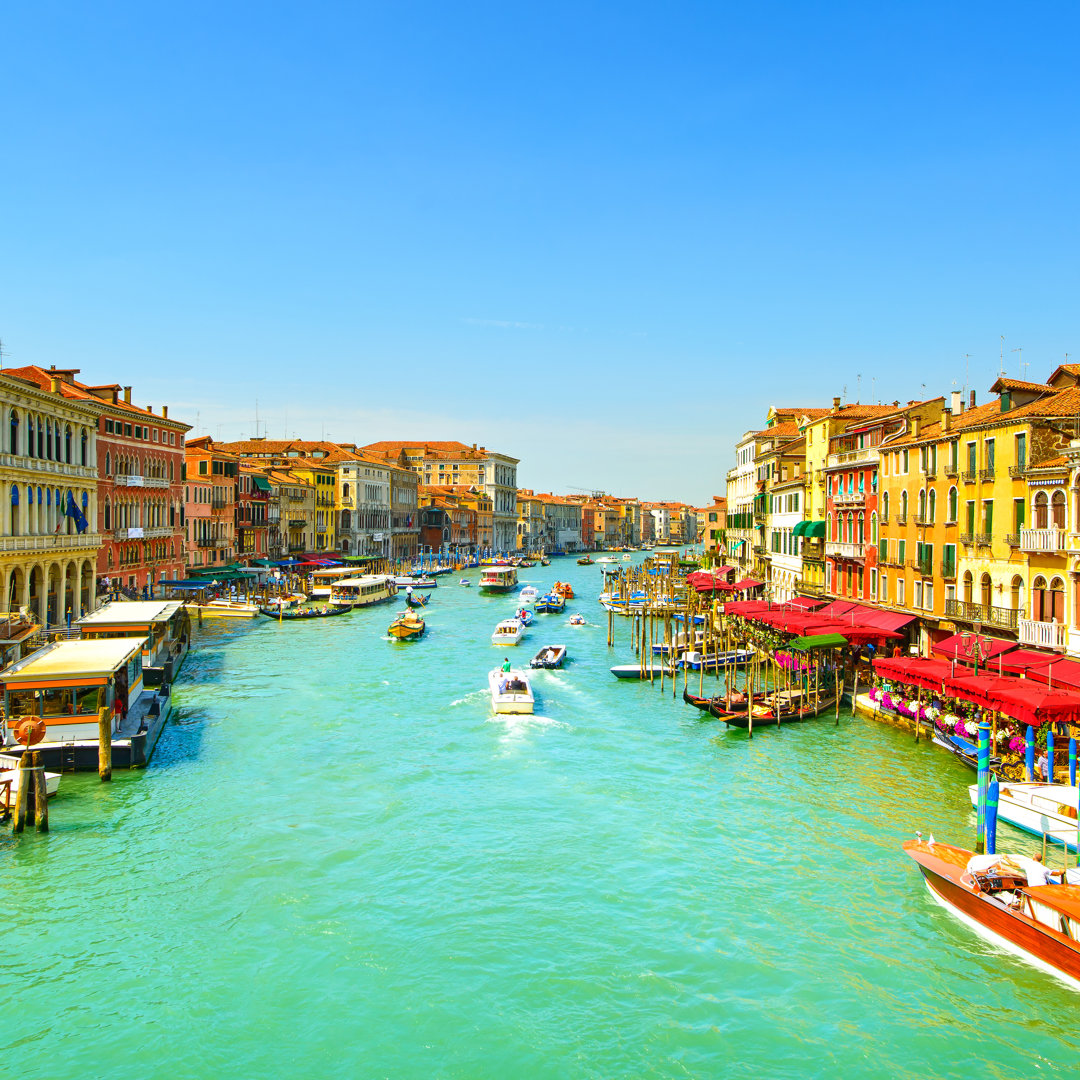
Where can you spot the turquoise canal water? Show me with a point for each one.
(339, 866)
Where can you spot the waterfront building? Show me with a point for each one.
(48, 554)
(561, 523)
(140, 499)
(453, 463)
(210, 480)
(785, 507)
(252, 514)
(296, 507)
(448, 522)
(530, 523)
(712, 525)
(404, 512)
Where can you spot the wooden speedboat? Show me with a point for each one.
(1048, 809)
(9, 783)
(585, 562)
(227, 609)
(510, 691)
(407, 626)
(785, 707)
(992, 896)
(550, 656)
(508, 632)
(551, 602)
(563, 589)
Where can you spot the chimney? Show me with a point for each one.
(957, 402)
(836, 404)
(914, 427)
(164, 412)
(127, 395)
(971, 400)
(54, 384)
(946, 420)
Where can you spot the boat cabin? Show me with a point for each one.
(322, 581)
(362, 591)
(67, 682)
(164, 625)
(498, 578)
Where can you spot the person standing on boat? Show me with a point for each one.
(506, 663)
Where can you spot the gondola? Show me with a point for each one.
(586, 561)
(303, 613)
(417, 600)
(706, 704)
(765, 712)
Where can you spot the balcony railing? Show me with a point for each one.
(987, 614)
(52, 542)
(890, 560)
(931, 472)
(1042, 539)
(986, 474)
(1043, 635)
(951, 471)
(843, 550)
(217, 504)
(850, 457)
(948, 570)
(922, 566)
(966, 538)
(204, 542)
(849, 498)
(922, 521)
(1012, 539)
(969, 476)
(983, 539)
(1017, 471)
(901, 519)
(810, 588)
(135, 480)
(58, 468)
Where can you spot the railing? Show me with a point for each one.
(134, 532)
(1016, 471)
(969, 476)
(844, 550)
(986, 474)
(890, 560)
(52, 542)
(849, 498)
(1006, 618)
(901, 519)
(983, 539)
(1012, 539)
(346, 501)
(948, 570)
(135, 480)
(1042, 539)
(810, 588)
(59, 468)
(922, 566)
(204, 542)
(952, 471)
(850, 457)
(218, 504)
(966, 538)
(1043, 635)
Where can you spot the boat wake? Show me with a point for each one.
(471, 697)
(517, 725)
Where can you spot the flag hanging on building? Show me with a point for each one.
(73, 511)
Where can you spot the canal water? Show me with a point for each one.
(338, 865)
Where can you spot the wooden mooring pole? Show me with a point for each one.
(105, 743)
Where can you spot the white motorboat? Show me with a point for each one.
(694, 659)
(421, 582)
(577, 620)
(228, 609)
(510, 691)
(550, 656)
(1038, 809)
(508, 632)
(528, 594)
(466, 582)
(7, 791)
(605, 559)
(627, 558)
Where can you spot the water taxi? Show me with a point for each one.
(1048, 809)
(226, 609)
(528, 594)
(577, 620)
(508, 632)
(465, 582)
(510, 692)
(563, 589)
(1008, 901)
(321, 581)
(407, 626)
(552, 602)
(424, 581)
(550, 656)
(163, 625)
(498, 579)
(362, 591)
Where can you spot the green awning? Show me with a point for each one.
(262, 483)
(818, 641)
(810, 529)
(800, 528)
(262, 562)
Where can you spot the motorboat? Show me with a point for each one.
(408, 626)
(585, 562)
(563, 589)
(465, 582)
(424, 581)
(510, 691)
(678, 643)
(627, 558)
(525, 617)
(635, 671)
(528, 594)
(1003, 899)
(550, 656)
(498, 578)
(551, 602)
(1042, 809)
(508, 632)
(362, 591)
(606, 559)
(9, 783)
(227, 609)
(577, 620)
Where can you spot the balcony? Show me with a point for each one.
(952, 472)
(1012, 539)
(986, 474)
(1042, 539)
(852, 457)
(222, 542)
(841, 550)
(1043, 635)
(218, 504)
(1017, 471)
(43, 465)
(849, 498)
(204, 542)
(901, 519)
(966, 538)
(884, 519)
(925, 567)
(810, 588)
(52, 542)
(985, 614)
(890, 560)
(134, 480)
(931, 472)
(948, 570)
(969, 476)
(983, 539)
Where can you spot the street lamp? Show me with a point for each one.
(972, 645)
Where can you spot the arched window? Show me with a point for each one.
(862, 529)
(968, 587)
(922, 504)
(85, 443)
(14, 443)
(107, 516)
(903, 505)
(108, 463)
(885, 506)
(985, 590)
(346, 520)
(1057, 600)
(873, 529)
(1041, 510)
(14, 510)
(67, 444)
(1016, 592)
(1057, 510)
(932, 507)
(953, 504)
(49, 452)
(31, 438)
(344, 491)
(829, 527)
(40, 438)
(1040, 601)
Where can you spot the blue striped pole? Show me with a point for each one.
(1029, 755)
(991, 817)
(1049, 755)
(984, 779)
(1072, 763)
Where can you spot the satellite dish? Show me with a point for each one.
(30, 730)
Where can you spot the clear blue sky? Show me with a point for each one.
(601, 237)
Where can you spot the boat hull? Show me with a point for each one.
(1057, 827)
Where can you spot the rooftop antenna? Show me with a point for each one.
(858, 391)
(1019, 349)
(873, 390)
(2, 355)
(967, 369)
(845, 393)
(1001, 356)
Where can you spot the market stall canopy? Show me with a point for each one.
(962, 647)
(1021, 661)
(860, 634)
(747, 608)
(818, 641)
(1058, 673)
(865, 615)
(807, 603)
(748, 583)
(1036, 704)
(914, 671)
(978, 689)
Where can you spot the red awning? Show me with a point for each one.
(837, 608)
(860, 634)
(866, 615)
(914, 670)
(1036, 704)
(805, 602)
(978, 689)
(746, 608)
(1022, 660)
(1056, 674)
(748, 583)
(957, 646)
